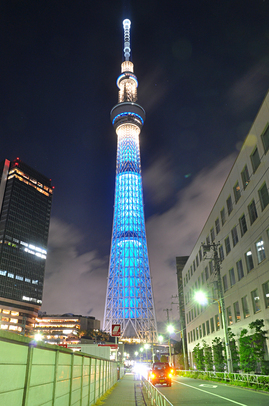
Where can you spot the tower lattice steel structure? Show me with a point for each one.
(129, 298)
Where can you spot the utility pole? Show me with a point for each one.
(217, 262)
(167, 312)
(182, 333)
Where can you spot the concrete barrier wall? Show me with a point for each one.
(46, 375)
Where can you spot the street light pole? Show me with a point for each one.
(223, 312)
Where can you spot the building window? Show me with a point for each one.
(237, 193)
(211, 268)
(252, 212)
(193, 333)
(191, 337)
(207, 327)
(188, 337)
(245, 177)
(249, 261)
(206, 273)
(256, 303)
(229, 316)
(243, 225)
(222, 216)
(194, 267)
(204, 333)
(208, 240)
(237, 315)
(229, 205)
(191, 272)
(200, 254)
(260, 250)
(217, 225)
(265, 288)
(255, 159)
(212, 325)
(200, 331)
(225, 283)
(197, 260)
(265, 138)
(234, 236)
(264, 196)
(217, 322)
(245, 307)
(221, 253)
(212, 234)
(227, 245)
(232, 276)
(240, 271)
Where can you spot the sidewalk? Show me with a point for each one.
(124, 392)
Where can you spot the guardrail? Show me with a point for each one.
(249, 379)
(155, 396)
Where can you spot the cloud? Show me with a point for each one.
(175, 232)
(76, 282)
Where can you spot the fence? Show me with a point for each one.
(155, 396)
(261, 381)
(46, 375)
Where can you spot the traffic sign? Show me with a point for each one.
(115, 330)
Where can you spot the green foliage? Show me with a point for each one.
(258, 339)
(247, 360)
(218, 354)
(198, 357)
(208, 359)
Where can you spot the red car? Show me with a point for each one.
(161, 373)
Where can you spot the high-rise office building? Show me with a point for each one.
(231, 267)
(129, 298)
(25, 205)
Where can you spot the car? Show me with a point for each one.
(161, 374)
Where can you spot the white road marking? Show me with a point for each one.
(206, 385)
(213, 394)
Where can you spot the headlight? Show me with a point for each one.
(152, 375)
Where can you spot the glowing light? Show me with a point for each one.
(126, 113)
(200, 297)
(38, 337)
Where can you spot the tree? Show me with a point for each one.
(208, 356)
(218, 354)
(234, 350)
(247, 359)
(258, 342)
(198, 357)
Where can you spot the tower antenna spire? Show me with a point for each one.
(127, 43)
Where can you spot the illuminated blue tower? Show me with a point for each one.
(129, 298)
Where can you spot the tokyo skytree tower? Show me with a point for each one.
(129, 297)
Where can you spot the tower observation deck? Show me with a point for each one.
(129, 297)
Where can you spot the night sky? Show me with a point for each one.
(203, 72)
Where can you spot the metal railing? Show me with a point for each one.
(154, 395)
(249, 379)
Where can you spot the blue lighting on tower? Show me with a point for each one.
(129, 298)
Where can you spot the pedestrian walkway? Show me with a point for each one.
(124, 392)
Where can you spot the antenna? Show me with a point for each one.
(127, 45)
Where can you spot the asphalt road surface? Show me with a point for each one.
(195, 392)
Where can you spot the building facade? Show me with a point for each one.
(65, 328)
(25, 206)
(129, 297)
(239, 226)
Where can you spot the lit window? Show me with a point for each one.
(260, 250)
(255, 301)
(14, 321)
(6, 311)
(3, 273)
(4, 326)
(20, 278)
(237, 193)
(13, 313)
(10, 275)
(249, 261)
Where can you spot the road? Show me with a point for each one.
(195, 392)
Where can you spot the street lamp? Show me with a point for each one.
(201, 298)
(170, 330)
(146, 346)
